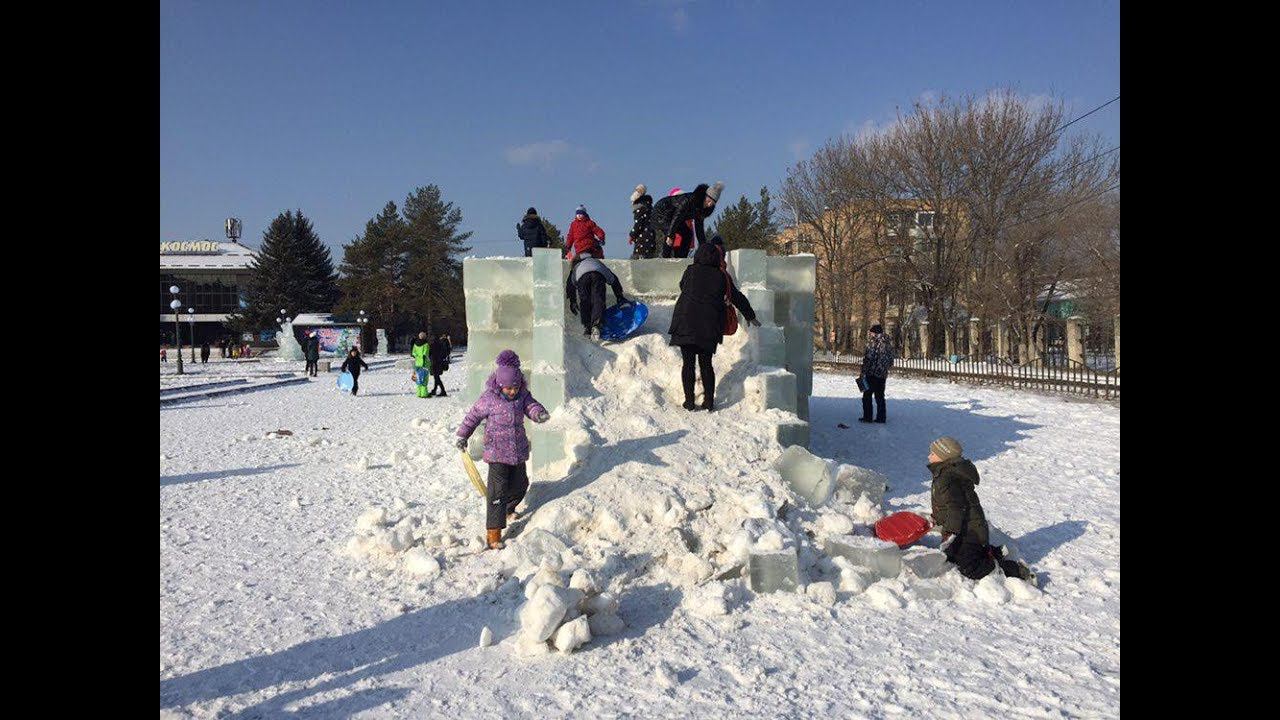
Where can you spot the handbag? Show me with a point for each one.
(862, 384)
(730, 312)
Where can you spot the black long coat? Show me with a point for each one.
(672, 212)
(699, 315)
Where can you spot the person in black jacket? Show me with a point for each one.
(697, 323)
(352, 364)
(642, 237)
(439, 364)
(311, 351)
(672, 212)
(204, 352)
(875, 372)
(585, 291)
(958, 514)
(532, 232)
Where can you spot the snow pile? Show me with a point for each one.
(564, 617)
(418, 544)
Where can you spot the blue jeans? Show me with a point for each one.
(421, 375)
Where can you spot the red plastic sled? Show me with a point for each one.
(902, 528)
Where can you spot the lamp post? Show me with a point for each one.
(191, 317)
(177, 325)
(363, 320)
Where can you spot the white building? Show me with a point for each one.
(212, 278)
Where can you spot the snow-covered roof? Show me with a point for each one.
(205, 255)
(321, 319)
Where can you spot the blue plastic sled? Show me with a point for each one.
(345, 382)
(621, 321)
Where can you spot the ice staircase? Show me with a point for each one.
(519, 303)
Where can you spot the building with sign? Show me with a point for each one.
(213, 278)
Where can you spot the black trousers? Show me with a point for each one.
(875, 387)
(506, 488)
(438, 384)
(688, 353)
(312, 366)
(976, 561)
(355, 383)
(591, 299)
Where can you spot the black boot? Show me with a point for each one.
(689, 404)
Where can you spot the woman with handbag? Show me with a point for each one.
(703, 315)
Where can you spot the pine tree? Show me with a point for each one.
(554, 238)
(293, 271)
(432, 277)
(372, 265)
(748, 225)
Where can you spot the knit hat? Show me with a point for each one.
(640, 190)
(581, 210)
(946, 448)
(877, 329)
(531, 211)
(713, 192)
(508, 372)
(674, 191)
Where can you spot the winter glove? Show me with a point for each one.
(668, 240)
(754, 322)
(542, 417)
(461, 444)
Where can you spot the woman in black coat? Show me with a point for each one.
(439, 355)
(697, 324)
(671, 213)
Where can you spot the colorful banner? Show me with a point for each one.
(337, 341)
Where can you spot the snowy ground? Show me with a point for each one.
(263, 614)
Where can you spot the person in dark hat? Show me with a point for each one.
(875, 372)
(531, 232)
(672, 214)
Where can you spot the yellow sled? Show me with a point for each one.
(469, 465)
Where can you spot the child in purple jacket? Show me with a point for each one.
(503, 406)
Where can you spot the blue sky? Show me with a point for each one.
(336, 108)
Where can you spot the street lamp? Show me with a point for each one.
(191, 316)
(363, 322)
(177, 326)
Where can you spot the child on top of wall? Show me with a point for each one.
(503, 406)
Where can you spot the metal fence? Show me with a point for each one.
(1053, 372)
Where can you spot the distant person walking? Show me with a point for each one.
(311, 351)
(875, 371)
(672, 213)
(164, 354)
(531, 231)
(204, 352)
(439, 364)
(352, 364)
(698, 322)
(642, 237)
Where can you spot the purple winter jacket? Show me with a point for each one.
(505, 440)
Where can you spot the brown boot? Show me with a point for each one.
(495, 539)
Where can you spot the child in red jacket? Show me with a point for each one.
(585, 237)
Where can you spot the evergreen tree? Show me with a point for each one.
(293, 270)
(372, 265)
(748, 225)
(554, 238)
(432, 268)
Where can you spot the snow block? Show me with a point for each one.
(548, 388)
(513, 312)
(547, 446)
(774, 570)
(812, 478)
(548, 348)
(572, 634)
(790, 434)
(793, 273)
(479, 308)
(802, 405)
(749, 268)
(497, 275)
(925, 562)
(549, 269)
(762, 301)
(621, 268)
(541, 614)
(657, 277)
(774, 389)
(883, 557)
(769, 345)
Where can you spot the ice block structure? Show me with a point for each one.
(289, 347)
(519, 303)
(884, 558)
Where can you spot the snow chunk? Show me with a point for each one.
(854, 579)
(925, 562)
(605, 624)
(710, 600)
(867, 512)
(572, 634)
(823, 592)
(1021, 590)
(486, 637)
(884, 598)
(542, 613)
(371, 519)
(664, 678)
(811, 477)
(582, 580)
(421, 563)
(834, 523)
(602, 604)
(991, 589)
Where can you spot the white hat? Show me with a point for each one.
(640, 190)
(713, 192)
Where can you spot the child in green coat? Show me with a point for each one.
(421, 363)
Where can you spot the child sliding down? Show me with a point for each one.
(503, 406)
